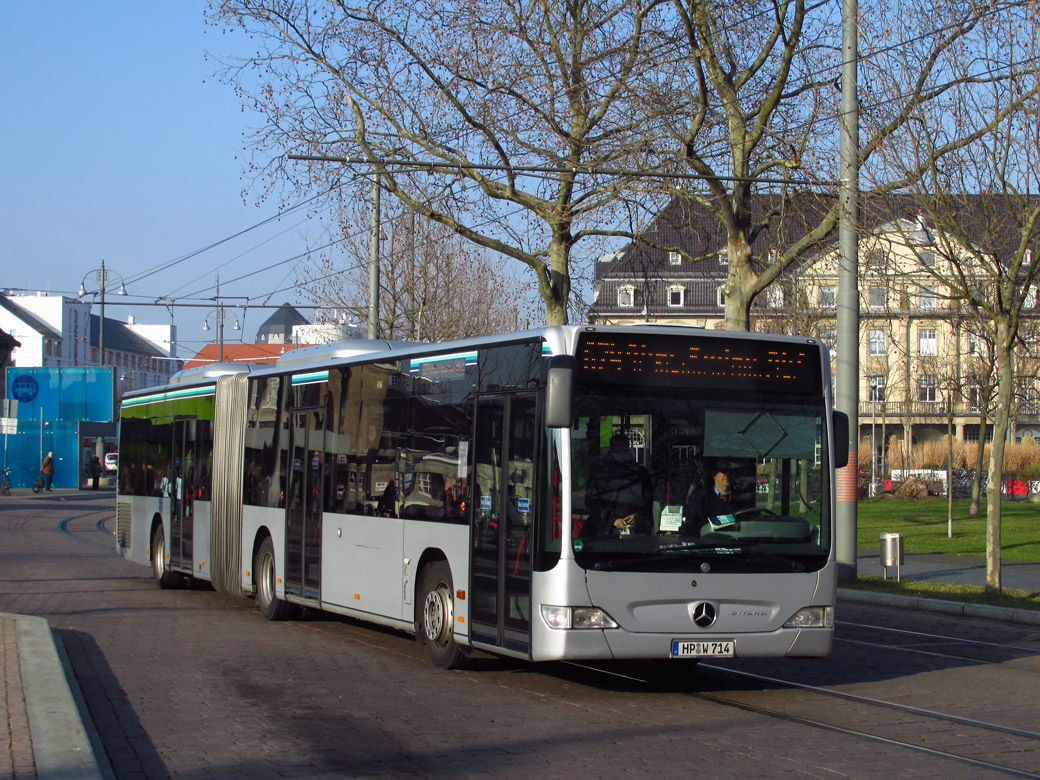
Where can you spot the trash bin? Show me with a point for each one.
(892, 553)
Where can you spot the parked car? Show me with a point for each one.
(111, 461)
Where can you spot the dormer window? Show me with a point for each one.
(626, 297)
(676, 295)
(674, 258)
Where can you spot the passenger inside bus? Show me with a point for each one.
(618, 493)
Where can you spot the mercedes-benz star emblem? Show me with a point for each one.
(704, 614)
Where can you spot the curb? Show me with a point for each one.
(1006, 614)
(61, 748)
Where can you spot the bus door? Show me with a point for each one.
(179, 489)
(303, 505)
(505, 465)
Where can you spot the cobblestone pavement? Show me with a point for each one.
(195, 684)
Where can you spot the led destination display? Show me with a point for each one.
(708, 363)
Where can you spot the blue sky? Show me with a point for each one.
(118, 142)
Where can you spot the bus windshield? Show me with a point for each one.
(714, 482)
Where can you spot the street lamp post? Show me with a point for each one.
(102, 278)
(220, 316)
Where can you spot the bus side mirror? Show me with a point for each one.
(559, 391)
(841, 439)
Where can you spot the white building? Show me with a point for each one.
(58, 331)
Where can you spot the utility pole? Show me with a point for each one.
(373, 265)
(847, 379)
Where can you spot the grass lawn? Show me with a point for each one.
(1009, 597)
(924, 527)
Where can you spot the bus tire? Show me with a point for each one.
(437, 617)
(163, 576)
(265, 568)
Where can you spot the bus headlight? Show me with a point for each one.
(576, 617)
(812, 617)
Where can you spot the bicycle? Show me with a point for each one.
(5, 483)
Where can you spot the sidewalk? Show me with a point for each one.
(952, 569)
(46, 735)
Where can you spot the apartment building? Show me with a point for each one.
(925, 361)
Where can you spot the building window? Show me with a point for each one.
(775, 296)
(626, 297)
(674, 258)
(974, 398)
(1027, 395)
(928, 259)
(723, 258)
(977, 344)
(927, 298)
(877, 343)
(928, 341)
(827, 297)
(927, 389)
(876, 259)
(972, 434)
(876, 385)
(877, 297)
(721, 296)
(829, 337)
(676, 296)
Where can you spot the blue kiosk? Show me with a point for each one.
(66, 411)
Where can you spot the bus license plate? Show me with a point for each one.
(718, 648)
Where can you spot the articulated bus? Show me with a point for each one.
(542, 495)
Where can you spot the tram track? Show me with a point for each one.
(959, 649)
(99, 526)
(1006, 750)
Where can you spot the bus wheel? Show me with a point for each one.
(271, 607)
(167, 579)
(436, 620)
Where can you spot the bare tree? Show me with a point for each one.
(496, 118)
(762, 109)
(434, 285)
(989, 242)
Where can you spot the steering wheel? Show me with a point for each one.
(755, 509)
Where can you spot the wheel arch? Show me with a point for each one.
(157, 522)
(262, 533)
(429, 556)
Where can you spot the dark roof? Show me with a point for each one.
(119, 338)
(989, 221)
(280, 324)
(689, 227)
(8, 343)
(29, 319)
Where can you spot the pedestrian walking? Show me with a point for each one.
(95, 472)
(47, 469)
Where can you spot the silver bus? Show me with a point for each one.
(551, 494)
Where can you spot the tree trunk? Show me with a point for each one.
(949, 474)
(554, 283)
(740, 284)
(1005, 382)
(980, 462)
